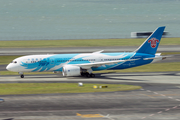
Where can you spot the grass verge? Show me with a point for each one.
(82, 43)
(47, 88)
(4, 60)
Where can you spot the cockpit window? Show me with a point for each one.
(14, 62)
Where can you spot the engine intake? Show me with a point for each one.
(71, 70)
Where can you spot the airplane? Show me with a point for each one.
(84, 64)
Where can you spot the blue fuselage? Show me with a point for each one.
(34, 63)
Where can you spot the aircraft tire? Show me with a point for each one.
(92, 75)
(22, 76)
(82, 74)
(87, 75)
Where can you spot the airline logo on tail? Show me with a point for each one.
(153, 42)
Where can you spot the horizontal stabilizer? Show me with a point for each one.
(157, 57)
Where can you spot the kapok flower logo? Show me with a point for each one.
(153, 42)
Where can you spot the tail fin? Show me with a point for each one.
(152, 42)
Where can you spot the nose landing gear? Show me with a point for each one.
(21, 74)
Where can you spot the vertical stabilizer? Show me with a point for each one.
(152, 42)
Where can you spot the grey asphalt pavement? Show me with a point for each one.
(159, 99)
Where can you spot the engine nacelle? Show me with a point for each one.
(70, 70)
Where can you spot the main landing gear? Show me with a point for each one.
(86, 74)
(21, 74)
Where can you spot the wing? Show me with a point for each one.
(98, 64)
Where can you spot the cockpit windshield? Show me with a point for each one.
(14, 62)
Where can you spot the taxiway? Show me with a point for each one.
(158, 99)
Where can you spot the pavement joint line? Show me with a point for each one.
(148, 95)
(162, 95)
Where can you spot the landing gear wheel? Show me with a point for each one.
(92, 75)
(87, 75)
(22, 76)
(82, 74)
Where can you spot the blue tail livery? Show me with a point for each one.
(152, 42)
(84, 64)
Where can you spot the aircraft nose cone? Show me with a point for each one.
(11, 67)
(8, 67)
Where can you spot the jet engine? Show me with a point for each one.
(71, 70)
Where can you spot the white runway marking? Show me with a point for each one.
(159, 112)
(175, 107)
(165, 109)
(143, 118)
(170, 97)
(107, 116)
(148, 90)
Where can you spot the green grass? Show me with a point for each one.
(45, 88)
(170, 53)
(4, 60)
(82, 43)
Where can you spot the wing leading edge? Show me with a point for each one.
(98, 64)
